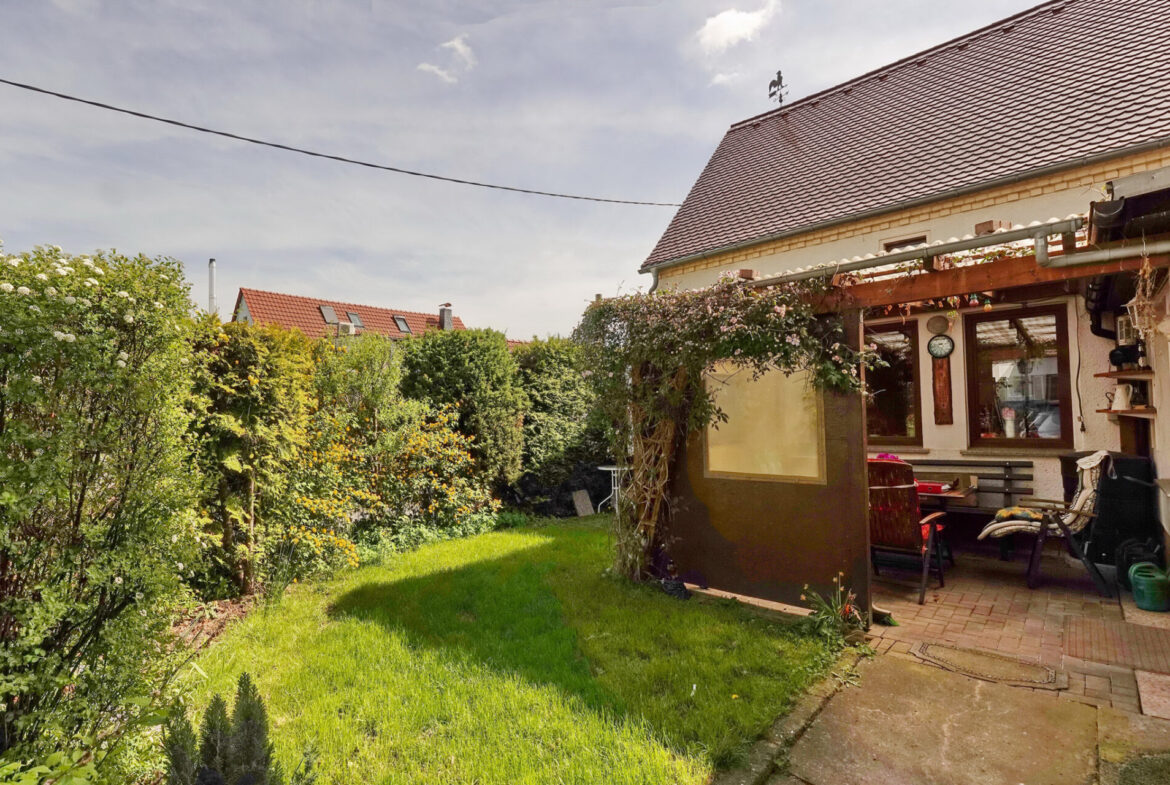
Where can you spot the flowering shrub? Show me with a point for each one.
(648, 354)
(834, 616)
(430, 486)
(94, 501)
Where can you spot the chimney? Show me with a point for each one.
(212, 308)
(445, 320)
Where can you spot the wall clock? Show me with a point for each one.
(940, 346)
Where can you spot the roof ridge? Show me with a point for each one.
(328, 301)
(1053, 5)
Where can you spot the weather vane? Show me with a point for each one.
(777, 89)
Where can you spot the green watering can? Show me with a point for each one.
(1151, 586)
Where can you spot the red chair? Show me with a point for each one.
(896, 524)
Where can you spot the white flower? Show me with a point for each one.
(33, 309)
(118, 579)
(6, 287)
(164, 278)
(138, 596)
(23, 290)
(70, 337)
(158, 305)
(14, 262)
(51, 292)
(57, 248)
(120, 363)
(90, 282)
(128, 318)
(60, 336)
(179, 565)
(99, 271)
(42, 277)
(122, 294)
(37, 380)
(70, 299)
(123, 356)
(86, 302)
(64, 270)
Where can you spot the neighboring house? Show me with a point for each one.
(950, 193)
(318, 318)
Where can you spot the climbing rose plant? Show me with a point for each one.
(648, 356)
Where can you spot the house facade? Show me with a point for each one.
(986, 207)
(320, 318)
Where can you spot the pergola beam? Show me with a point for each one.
(1003, 274)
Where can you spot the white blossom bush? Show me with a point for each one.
(94, 500)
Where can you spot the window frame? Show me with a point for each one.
(910, 328)
(402, 325)
(971, 322)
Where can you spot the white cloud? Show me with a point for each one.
(722, 78)
(459, 46)
(442, 73)
(730, 27)
(462, 60)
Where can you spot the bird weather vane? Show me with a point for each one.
(777, 89)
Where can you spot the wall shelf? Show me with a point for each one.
(1148, 413)
(1135, 376)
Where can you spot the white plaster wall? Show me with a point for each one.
(1159, 359)
(243, 314)
(947, 442)
(1020, 213)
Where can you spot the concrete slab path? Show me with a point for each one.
(911, 724)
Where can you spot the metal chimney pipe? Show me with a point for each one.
(212, 308)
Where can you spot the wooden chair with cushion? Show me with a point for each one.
(896, 524)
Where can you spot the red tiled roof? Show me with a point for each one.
(304, 313)
(1048, 87)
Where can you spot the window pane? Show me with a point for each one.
(892, 409)
(774, 428)
(1016, 363)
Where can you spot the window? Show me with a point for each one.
(1017, 378)
(889, 246)
(774, 428)
(893, 413)
(401, 324)
(354, 319)
(328, 314)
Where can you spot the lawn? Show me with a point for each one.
(513, 658)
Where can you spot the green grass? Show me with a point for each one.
(512, 658)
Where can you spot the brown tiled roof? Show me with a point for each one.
(1048, 87)
(304, 313)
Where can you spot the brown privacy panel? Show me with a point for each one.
(767, 538)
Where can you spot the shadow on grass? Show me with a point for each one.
(498, 612)
(705, 676)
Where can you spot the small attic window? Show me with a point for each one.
(355, 319)
(889, 246)
(328, 314)
(401, 324)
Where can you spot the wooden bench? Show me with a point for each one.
(1000, 483)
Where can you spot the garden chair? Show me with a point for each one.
(896, 524)
(1044, 518)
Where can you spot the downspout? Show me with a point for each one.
(654, 283)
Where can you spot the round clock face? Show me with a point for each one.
(940, 346)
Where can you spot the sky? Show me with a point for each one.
(622, 99)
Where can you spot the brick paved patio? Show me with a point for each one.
(986, 605)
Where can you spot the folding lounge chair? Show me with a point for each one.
(1044, 518)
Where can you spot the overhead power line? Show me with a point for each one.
(329, 156)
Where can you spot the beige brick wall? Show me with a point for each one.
(1070, 187)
